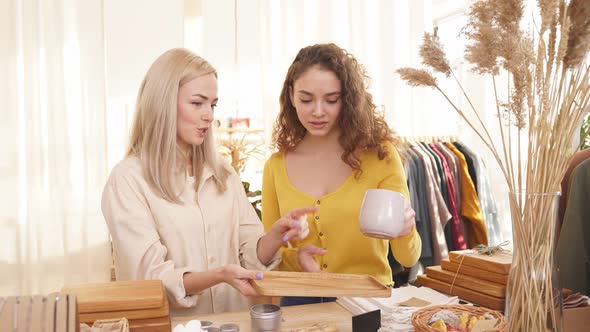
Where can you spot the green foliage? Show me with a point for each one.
(584, 133)
(254, 194)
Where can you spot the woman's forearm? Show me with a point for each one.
(268, 246)
(196, 282)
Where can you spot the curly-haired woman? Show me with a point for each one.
(333, 146)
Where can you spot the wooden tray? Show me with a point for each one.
(499, 262)
(163, 311)
(482, 286)
(487, 301)
(118, 296)
(277, 283)
(160, 324)
(471, 271)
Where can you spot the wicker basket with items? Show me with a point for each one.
(463, 318)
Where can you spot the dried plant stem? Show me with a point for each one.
(491, 146)
(533, 302)
(532, 262)
(501, 127)
(474, 110)
(519, 162)
(470, 124)
(551, 74)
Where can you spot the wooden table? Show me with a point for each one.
(293, 317)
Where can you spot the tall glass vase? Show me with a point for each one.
(533, 294)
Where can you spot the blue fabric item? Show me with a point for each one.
(417, 187)
(287, 301)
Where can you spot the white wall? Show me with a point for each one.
(136, 33)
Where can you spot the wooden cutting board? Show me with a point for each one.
(118, 295)
(159, 324)
(163, 311)
(277, 283)
(499, 262)
(467, 270)
(478, 285)
(487, 301)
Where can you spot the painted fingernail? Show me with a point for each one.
(295, 223)
(258, 275)
(286, 238)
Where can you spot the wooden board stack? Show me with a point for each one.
(142, 302)
(52, 313)
(474, 277)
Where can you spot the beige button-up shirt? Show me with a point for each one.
(156, 239)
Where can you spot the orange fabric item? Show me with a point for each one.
(470, 208)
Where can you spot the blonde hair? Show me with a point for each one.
(153, 133)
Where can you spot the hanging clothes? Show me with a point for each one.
(443, 190)
(453, 162)
(438, 212)
(578, 157)
(573, 247)
(486, 198)
(451, 194)
(470, 162)
(470, 208)
(441, 173)
(417, 187)
(457, 237)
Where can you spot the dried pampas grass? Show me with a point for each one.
(578, 42)
(417, 77)
(432, 54)
(549, 72)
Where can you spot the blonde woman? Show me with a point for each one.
(174, 210)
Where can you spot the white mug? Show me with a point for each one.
(382, 214)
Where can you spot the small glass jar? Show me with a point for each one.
(229, 328)
(205, 324)
(265, 318)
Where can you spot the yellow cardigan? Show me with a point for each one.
(335, 226)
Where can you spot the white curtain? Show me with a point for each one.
(382, 34)
(252, 43)
(53, 151)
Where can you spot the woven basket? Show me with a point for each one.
(421, 317)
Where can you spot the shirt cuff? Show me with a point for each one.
(173, 281)
(249, 257)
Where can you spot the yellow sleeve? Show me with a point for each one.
(270, 203)
(271, 212)
(406, 249)
(393, 171)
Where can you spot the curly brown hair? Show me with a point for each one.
(362, 126)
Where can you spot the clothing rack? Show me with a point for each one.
(451, 195)
(429, 139)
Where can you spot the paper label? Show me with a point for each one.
(414, 302)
